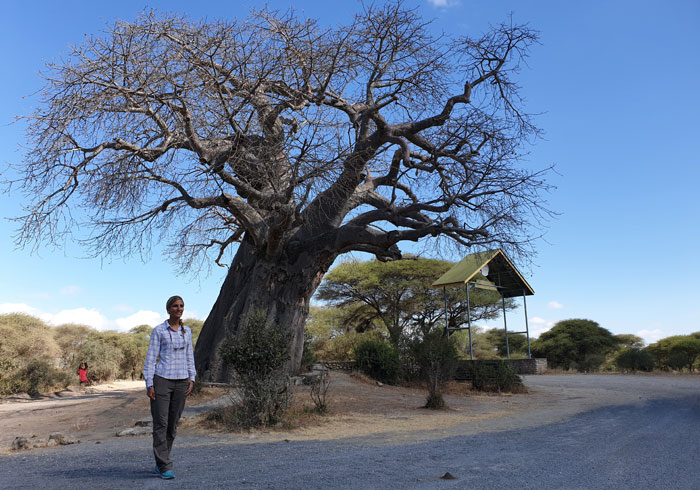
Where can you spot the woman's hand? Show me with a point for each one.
(151, 393)
(189, 388)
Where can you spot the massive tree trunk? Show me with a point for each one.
(281, 289)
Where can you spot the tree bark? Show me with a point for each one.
(280, 287)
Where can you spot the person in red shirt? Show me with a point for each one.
(82, 373)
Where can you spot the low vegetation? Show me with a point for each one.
(257, 356)
(37, 358)
(499, 377)
(436, 356)
(379, 361)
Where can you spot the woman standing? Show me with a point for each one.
(169, 373)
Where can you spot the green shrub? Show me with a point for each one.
(42, 377)
(677, 360)
(103, 357)
(257, 355)
(378, 360)
(319, 392)
(12, 379)
(591, 363)
(437, 358)
(495, 377)
(342, 347)
(634, 360)
(308, 356)
(435, 401)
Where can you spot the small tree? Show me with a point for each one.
(70, 337)
(634, 359)
(24, 339)
(676, 352)
(684, 353)
(42, 376)
(378, 360)
(517, 343)
(437, 358)
(257, 356)
(575, 344)
(103, 355)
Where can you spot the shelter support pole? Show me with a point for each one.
(447, 321)
(527, 327)
(469, 323)
(505, 326)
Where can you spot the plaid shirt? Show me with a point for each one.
(169, 354)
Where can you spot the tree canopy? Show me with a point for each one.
(676, 352)
(285, 141)
(575, 344)
(399, 296)
(516, 345)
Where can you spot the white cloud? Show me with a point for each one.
(83, 316)
(555, 305)
(443, 3)
(538, 326)
(141, 317)
(70, 290)
(92, 317)
(18, 308)
(651, 336)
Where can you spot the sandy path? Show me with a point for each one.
(89, 414)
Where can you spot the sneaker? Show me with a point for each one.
(165, 475)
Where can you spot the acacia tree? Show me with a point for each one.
(399, 296)
(575, 343)
(285, 141)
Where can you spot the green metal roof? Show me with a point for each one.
(502, 275)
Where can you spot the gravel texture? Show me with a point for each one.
(583, 432)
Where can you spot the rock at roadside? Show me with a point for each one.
(62, 440)
(20, 443)
(135, 431)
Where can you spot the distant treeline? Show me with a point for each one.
(574, 344)
(36, 357)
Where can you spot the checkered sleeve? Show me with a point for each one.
(191, 371)
(149, 367)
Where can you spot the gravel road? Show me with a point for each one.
(585, 432)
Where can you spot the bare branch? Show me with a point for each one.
(280, 132)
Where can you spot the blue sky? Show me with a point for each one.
(616, 84)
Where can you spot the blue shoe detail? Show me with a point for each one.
(167, 475)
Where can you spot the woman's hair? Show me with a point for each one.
(171, 300)
(83, 364)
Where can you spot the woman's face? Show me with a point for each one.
(176, 309)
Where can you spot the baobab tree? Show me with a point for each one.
(272, 145)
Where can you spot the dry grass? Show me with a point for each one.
(300, 414)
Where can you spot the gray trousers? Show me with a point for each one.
(166, 410)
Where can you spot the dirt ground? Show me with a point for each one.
(89, 414)
(357, 407)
